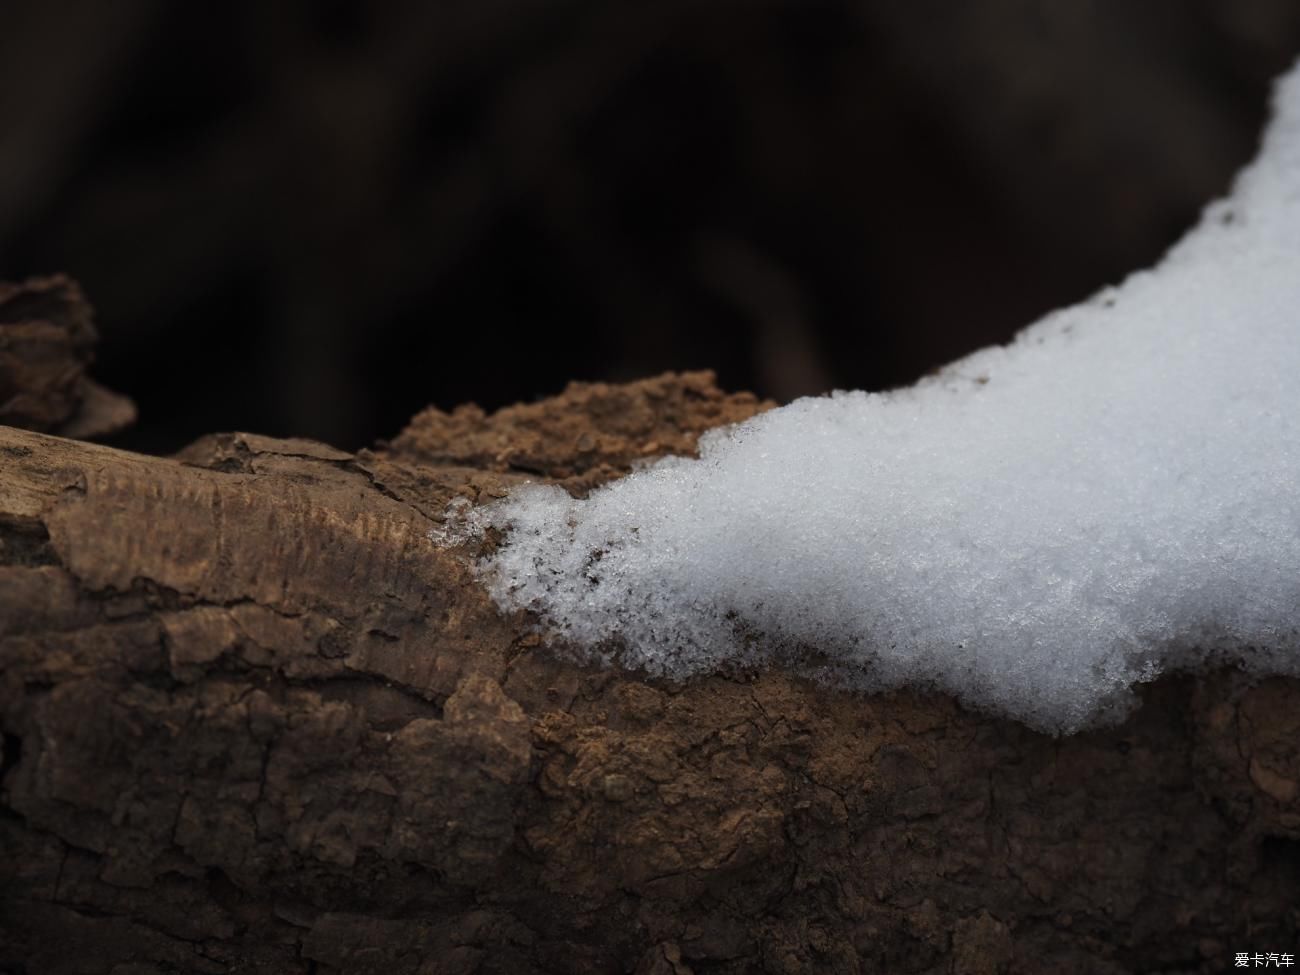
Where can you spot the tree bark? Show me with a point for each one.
(255, 720)
(47, 342)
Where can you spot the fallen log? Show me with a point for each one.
(255, 719)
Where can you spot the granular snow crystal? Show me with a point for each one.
(1035, 529)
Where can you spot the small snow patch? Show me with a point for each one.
(1035, 529)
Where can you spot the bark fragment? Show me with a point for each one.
(47, 341)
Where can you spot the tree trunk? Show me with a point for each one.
(255, 720)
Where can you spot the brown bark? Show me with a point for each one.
(47, 341)
(255, 720)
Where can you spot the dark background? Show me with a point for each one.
(316, 218)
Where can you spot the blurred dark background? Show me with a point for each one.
(316, 218)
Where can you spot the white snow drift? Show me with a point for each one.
(1114, 493)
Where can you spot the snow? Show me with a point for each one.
(1114, 494)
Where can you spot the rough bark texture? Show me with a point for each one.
(256, 721)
